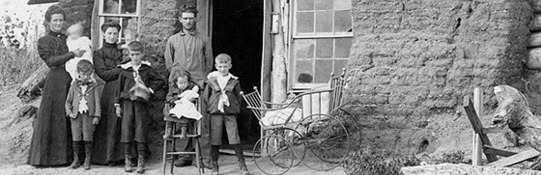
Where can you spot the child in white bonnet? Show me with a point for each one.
(76, 41)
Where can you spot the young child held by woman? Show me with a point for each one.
(75, 41)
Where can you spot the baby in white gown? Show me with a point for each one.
(76, 41)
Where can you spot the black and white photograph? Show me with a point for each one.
(270, 87)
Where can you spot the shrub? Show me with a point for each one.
(18, 55)
(368, 161)
(17, 64)
(455, 157)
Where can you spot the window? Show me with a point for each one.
(125, 12)
(321, 41)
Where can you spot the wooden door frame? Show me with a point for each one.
(204, 19)
(204, 25)
(266, 54)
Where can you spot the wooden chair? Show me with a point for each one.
(172, 135)
(481, 142)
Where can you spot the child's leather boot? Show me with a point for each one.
(76, 149)
(127, 163)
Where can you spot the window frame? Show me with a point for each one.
(293, 36)
(102, 16)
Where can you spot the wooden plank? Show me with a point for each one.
(31, 87)
(30, 2)
(95, 26)
(477, 144)
(203, 25)
(477, 150)
(477, 126)
(279, 59)
(345, 35)
(517, 158)
(203, 17)
(496, 151)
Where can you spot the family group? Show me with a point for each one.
(95, 103)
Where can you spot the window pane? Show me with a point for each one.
(110, 6)
(324, 21)
(343, 46)
(324, 48)
(342, 4)
(323, 71)
(303, 72)
(305, 5)
(305, 22)
(304, 48)
(338, 65)
(342, 21)
(129, 6)
(324, 4)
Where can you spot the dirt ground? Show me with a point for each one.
(15, 134)
(227, 167)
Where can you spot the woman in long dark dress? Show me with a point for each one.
(107, 146)
(51, 138)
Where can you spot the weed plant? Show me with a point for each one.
(18, 50)
(369, 161)
(17, 64)
(454, 157)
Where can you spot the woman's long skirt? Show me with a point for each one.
(51, 138)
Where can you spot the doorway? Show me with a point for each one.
(237, 29)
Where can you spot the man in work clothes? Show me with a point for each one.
(191, 51)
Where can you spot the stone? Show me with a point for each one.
(463, 169)
(535, 24)
(536, 5)
(535, 39)
(27, 111)
(534, 58)
(514, 112)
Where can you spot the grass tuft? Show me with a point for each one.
(18, 50)
(369, 161)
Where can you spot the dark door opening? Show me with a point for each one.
(237, 29)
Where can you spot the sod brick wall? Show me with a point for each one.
(426, 55)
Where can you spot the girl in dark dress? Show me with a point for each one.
(51, 138)
(107, 146)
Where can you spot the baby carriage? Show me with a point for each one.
(304, 130)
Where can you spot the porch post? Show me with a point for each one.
(279, 71)
(266, 54)
(94, 26)
(203, 25)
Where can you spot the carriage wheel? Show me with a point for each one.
(326, 140)
(276, 155)
(294, 138)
